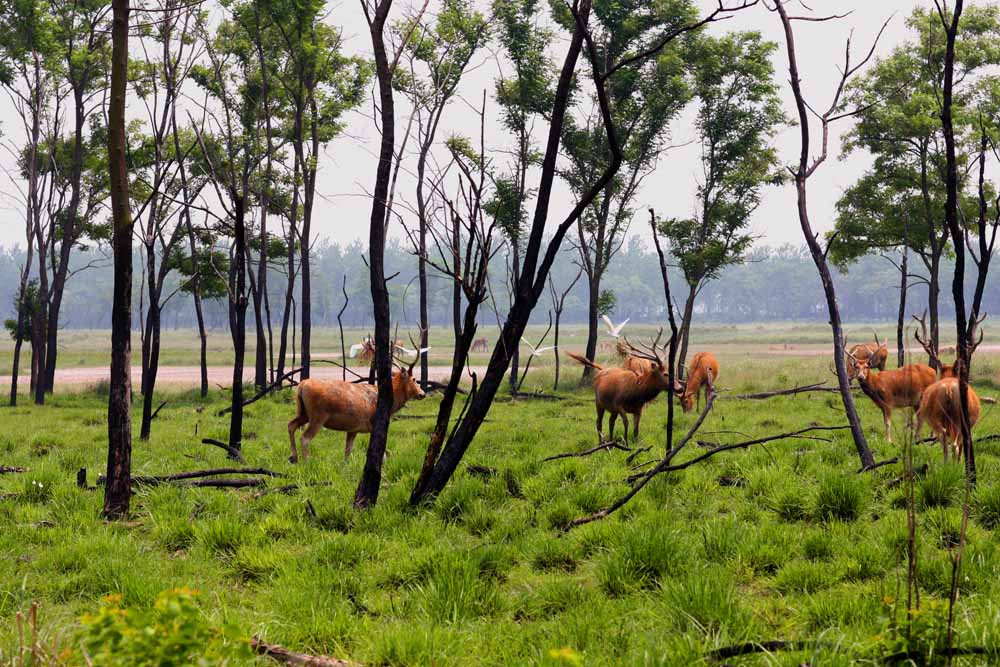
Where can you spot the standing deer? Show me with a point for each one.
(704, 372)
(941, 408)
(897, 388)
(875, 354)
(479, 345)
(623, 392)
(345, 406)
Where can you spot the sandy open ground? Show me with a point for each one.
(190, 376)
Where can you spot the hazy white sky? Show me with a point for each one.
(348, 164)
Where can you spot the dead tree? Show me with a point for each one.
(535, 269)
(376, 13)
(468, 266)
(558, 303)
(801, 173)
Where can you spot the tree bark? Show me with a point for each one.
(371, 478)
(238, 331)
(117, 491)
(593, 317)
(819, 256)
(901, 315)
(686, 325)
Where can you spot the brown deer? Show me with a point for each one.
(365, 350)
(941, 408)
(345, 406)
(897, 388)
(875, 354)
(704, 372)
(623, 392)
(479, 345)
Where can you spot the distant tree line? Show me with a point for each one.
(774, 283)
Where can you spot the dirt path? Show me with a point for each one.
(190, 376)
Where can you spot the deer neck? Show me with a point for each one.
(399, 395)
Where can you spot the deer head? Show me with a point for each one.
(652, 353)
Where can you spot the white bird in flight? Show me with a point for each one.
(536, 351)
(614, 331)
(413, 353)
(357, 347)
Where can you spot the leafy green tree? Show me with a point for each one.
(644, 99)
(900, 201)
(739, 112)
(320, 84)
(29, 74)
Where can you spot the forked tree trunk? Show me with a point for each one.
(802, 174)
(685, 334)
(117, 488)
(238, 322)
(371, 477)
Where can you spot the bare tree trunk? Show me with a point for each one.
(371, 477)
(593, 316)
(515, 356)
(802, 174)
(686, 326)
(958, 243)
(239, 308)
(901, 315)
(117, 488)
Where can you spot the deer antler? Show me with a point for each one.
(416, 347)
(878, 343)
(925, 341)
(650, 352)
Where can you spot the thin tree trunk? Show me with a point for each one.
(686, 325)
(901, 315)
(593, 316)
(819, 256)
(117, 488)
(239, 307)
(371, 478)
(515, 279)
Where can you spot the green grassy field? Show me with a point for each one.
(801, 548)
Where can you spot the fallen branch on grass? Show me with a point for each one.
(8, 469)
(282, 654)
(481, 471)
(917, 472)
(876, 466)
(748, 648)
(288, 488)
(632, 457)
(802, 389)
(664, 462)
(587, 452)
(536, 395)
(737, 445)
(988, 438)
(234, 453)
(226, 483)
(195, 474)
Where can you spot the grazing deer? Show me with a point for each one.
(941, 408)
(897, 388)
(479, 345)
(946, 371)
(344, 406)
(704, 372)
(875, 354)
(623, 392)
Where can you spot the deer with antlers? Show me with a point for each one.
(897, 388)
(876, 354)
(624, 392)
(629, 360)
(345, 406)
(949, 371)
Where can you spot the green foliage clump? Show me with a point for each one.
(173, 632)
(840, 496)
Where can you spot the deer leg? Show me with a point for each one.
(314, 427)
(600, 424)
(625, 426)
(635, 428)
(349, 445)
(887, 414)
(294, 426)
(944, 445)
(611, 426)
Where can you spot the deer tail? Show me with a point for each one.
(579, 358)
